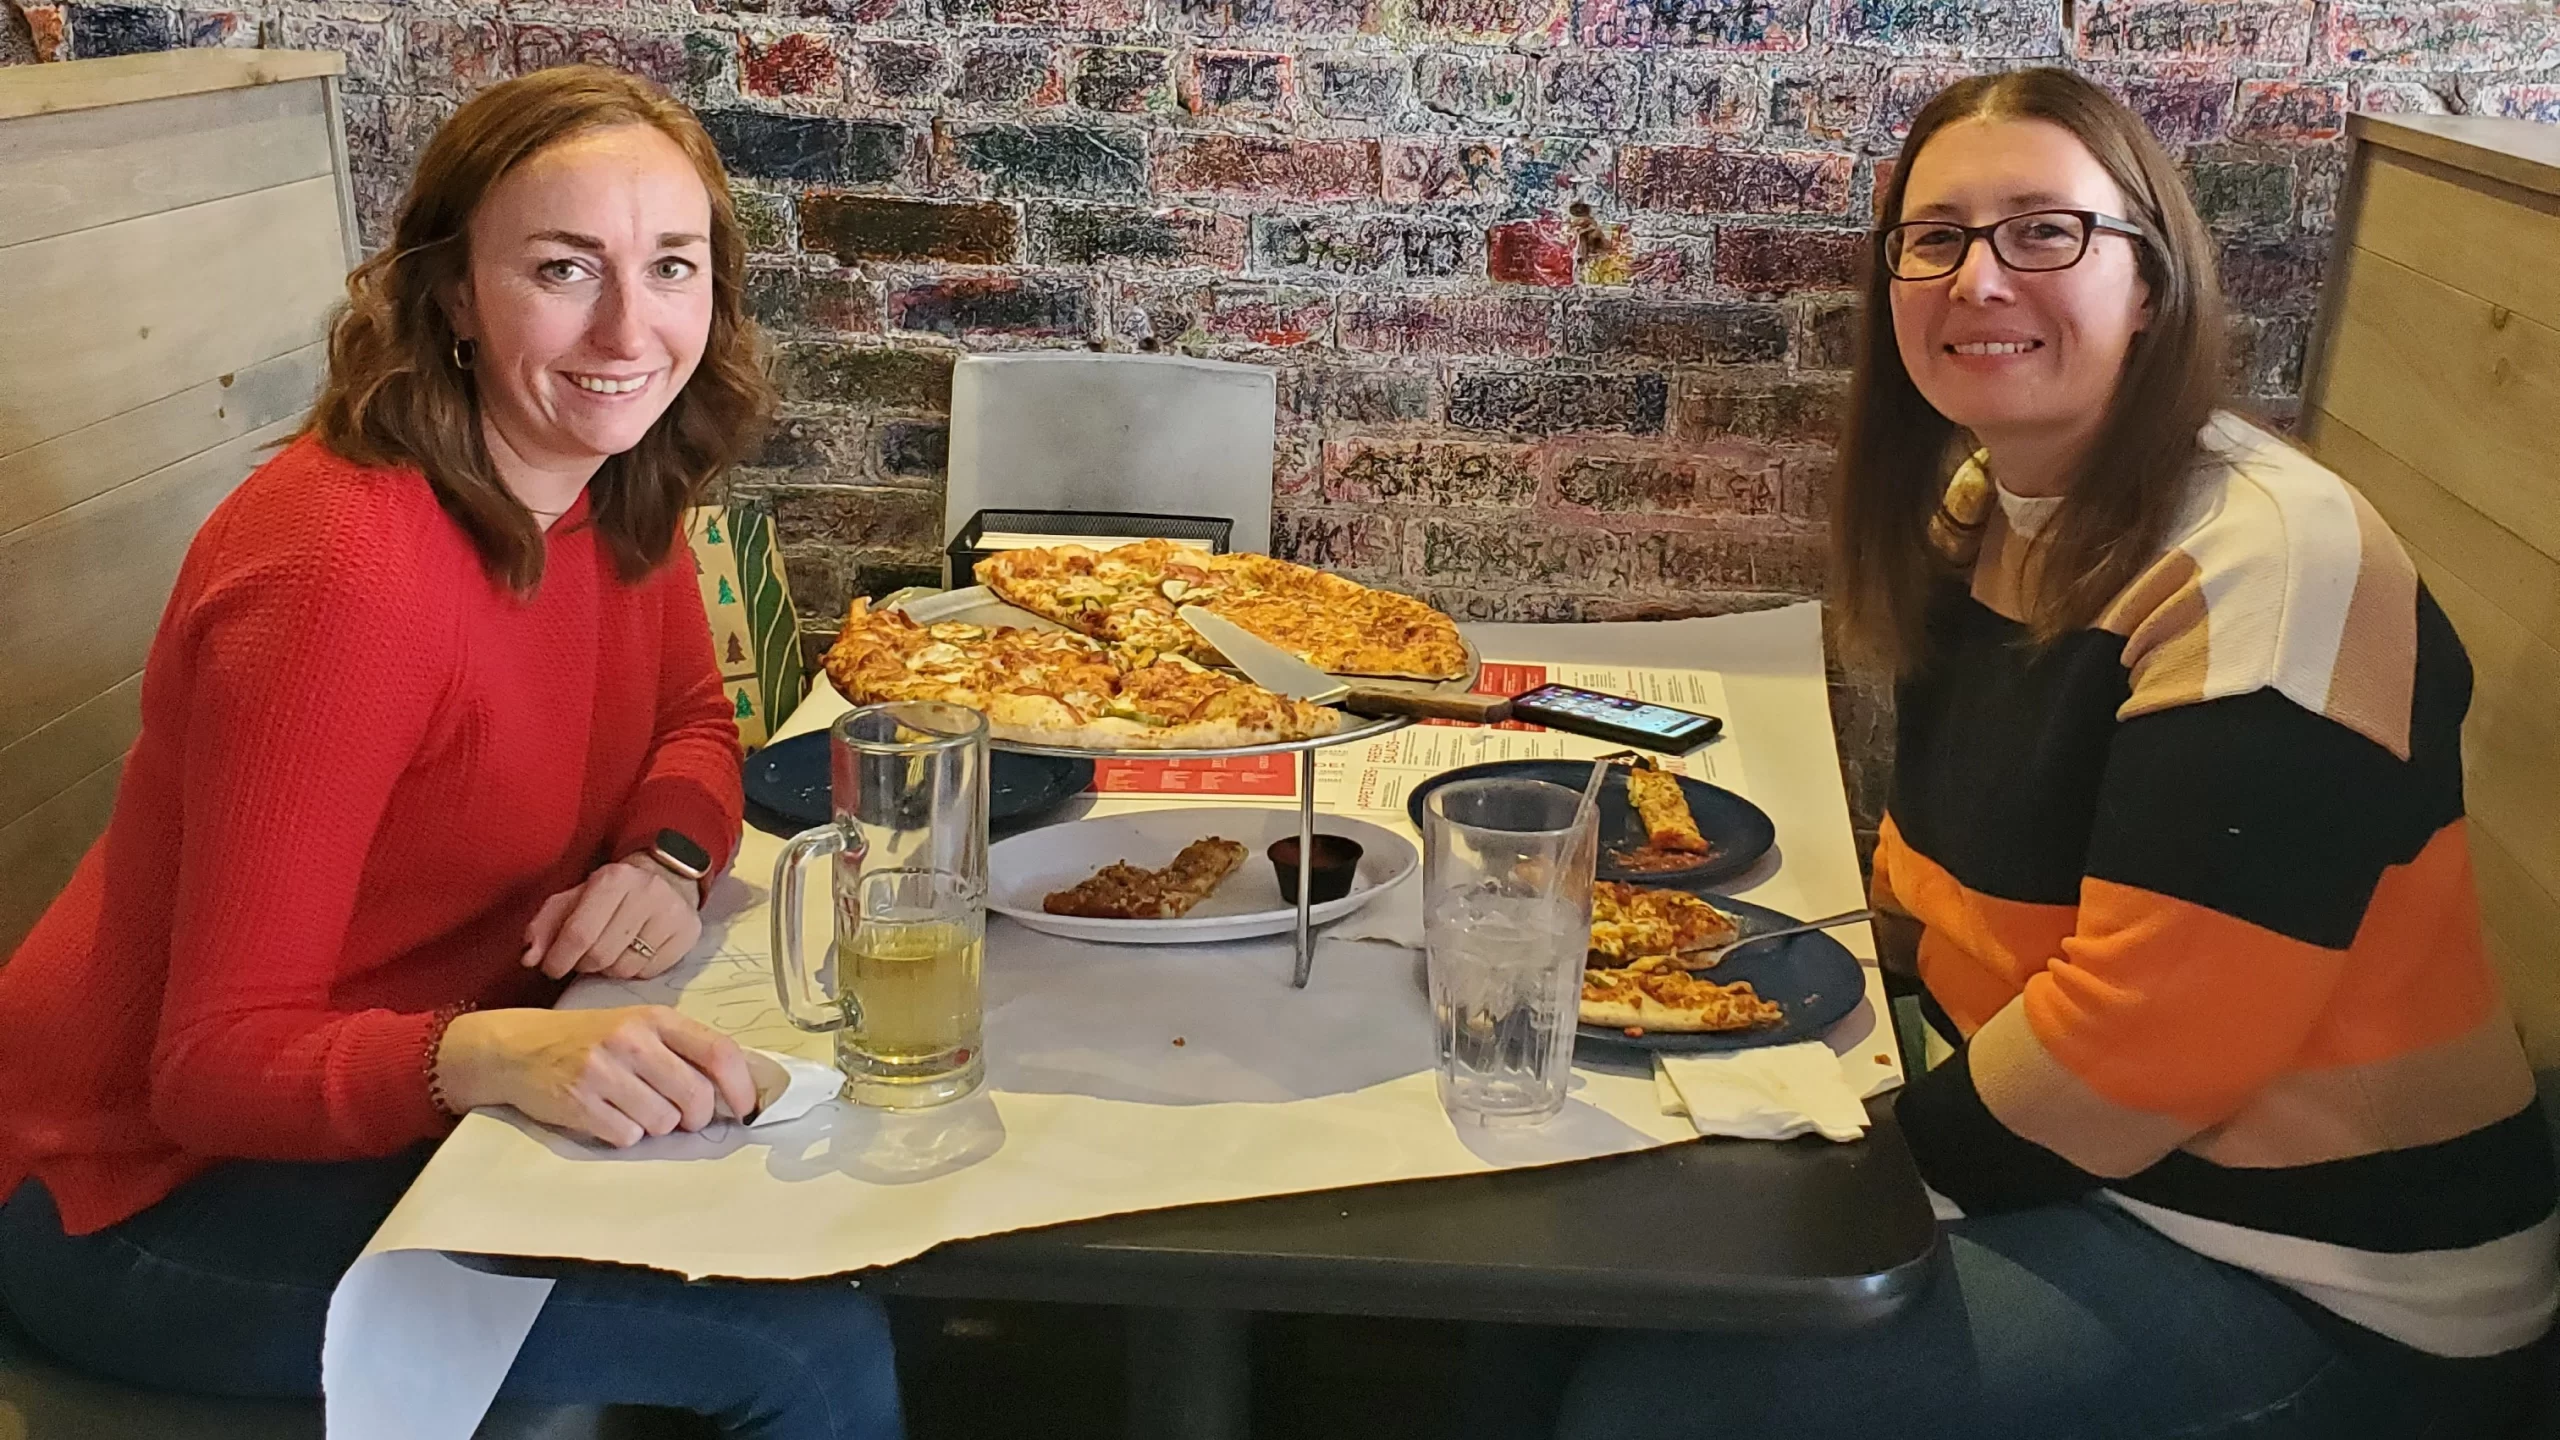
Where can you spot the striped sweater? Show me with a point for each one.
(2194, 887)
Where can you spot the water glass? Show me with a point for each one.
(900, 987)
(1506, 876)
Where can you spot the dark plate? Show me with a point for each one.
(1739, 831)
(787, 785)
(1813, 978)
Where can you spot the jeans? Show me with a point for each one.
(223, 1287)
(2066, 1322)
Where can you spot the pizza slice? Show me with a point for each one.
(1664, 810)
(1122, 891)
(1629, 921)
(1653, 993)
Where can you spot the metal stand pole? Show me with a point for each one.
(1190, 1374)
(1306, 867)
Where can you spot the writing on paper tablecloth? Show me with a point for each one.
(1260, 776)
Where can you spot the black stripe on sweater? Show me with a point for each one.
(1967, 1155)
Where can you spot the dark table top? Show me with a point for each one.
(1721, 1234)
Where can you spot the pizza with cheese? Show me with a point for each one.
(1629, 922)
(1054, 687)
(1654, 993)
(1129, 597)
(1122, 891)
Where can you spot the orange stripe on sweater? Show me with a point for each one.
(1977, 949)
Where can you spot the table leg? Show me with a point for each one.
(1306, 865)
(1190, 1374)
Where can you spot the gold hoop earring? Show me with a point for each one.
(464, 352)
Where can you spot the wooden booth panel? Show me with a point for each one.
(77, 169)
(2502, 247)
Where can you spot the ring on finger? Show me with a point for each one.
(643, 948)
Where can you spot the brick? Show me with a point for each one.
(1793, 411)
(1482, 22)
(456, 55)
(2256, 195)
(372, 47)
(1007, 72)
(2288, 110)
(900, 71)
(1268, 168)
(1522, 175)
(1722, 480)
(879, 227)
(764, 219)
(1788, 561)
(710, 68)
(1101, 15)
(1702, 180)
(2539, 102)
(867, 517)
(1346, 88)
(2399, 97)
(1262, 317)
(1824, 105)
(1690, 94)
(2181, 110)
(1552, 402)
(47, 32)
(1449, 324)
(1908, 89)
(1501, 554)
(1683, 330)
(1591, 91)
(1481, 88)
(1365, 247)
(1530, 252)
(1773, 260)
(813, 448)
(914, 450)
(1108, 234)
(1335, 396)
(1060, 160)
(1972, 29)
(1303, 17)
(102, 30)
(1297, 454)
(1827, 336)
(1507, 607)
(217, 30)
(2272, 275)
(652, 57)
(1032, 306)
(765, 146)
(798, 300)
(2275, 31)
(2464, 35)
(1334, 541)
(1130, 81)
(797, 64)
(1236, 82)
(1758, 26)
(1438, 474)
(867, 376)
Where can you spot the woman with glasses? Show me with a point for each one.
(2236, 1138)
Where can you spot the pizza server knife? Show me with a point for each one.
(1276, 670)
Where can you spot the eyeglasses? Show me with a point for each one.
(2038, 240)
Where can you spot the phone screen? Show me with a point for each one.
(1614, 710)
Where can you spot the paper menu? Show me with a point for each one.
(1374, 776)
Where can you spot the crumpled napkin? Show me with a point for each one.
(787, 1087)
(1773, 1092)
(1394, 918)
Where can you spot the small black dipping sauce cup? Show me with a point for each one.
(1329, 873)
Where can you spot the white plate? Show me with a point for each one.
(1030, 867)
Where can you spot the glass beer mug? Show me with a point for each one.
(900, 985)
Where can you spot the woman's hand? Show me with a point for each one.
(592, 928)
(618, 1075)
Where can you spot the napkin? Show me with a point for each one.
(787, 1087)
(1774, 1092)
(1394, 918)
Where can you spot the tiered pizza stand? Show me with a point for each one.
(1305, 750)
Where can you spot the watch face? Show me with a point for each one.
(684, 852)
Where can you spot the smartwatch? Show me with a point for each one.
(673, 850)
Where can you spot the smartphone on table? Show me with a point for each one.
(1619, 719)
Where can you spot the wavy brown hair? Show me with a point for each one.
(395, 397)
(1898, 452)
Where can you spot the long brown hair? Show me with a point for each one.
(1898, 453)
(396, 397)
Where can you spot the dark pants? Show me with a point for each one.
(223, 1287)
(2068, 1322)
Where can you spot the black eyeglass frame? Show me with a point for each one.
(2093, 223)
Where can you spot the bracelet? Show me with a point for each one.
(440, 1022)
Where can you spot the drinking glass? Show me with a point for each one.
(1506, 922)
(900, 987)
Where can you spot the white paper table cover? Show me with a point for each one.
(1092, 1108)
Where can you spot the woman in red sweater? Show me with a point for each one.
(430, 725)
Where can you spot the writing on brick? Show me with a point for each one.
(2196, 30)
(1753, 25)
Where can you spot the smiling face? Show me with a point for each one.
(589, 301)
(2026, 361)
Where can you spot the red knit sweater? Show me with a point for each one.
(362, 767)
